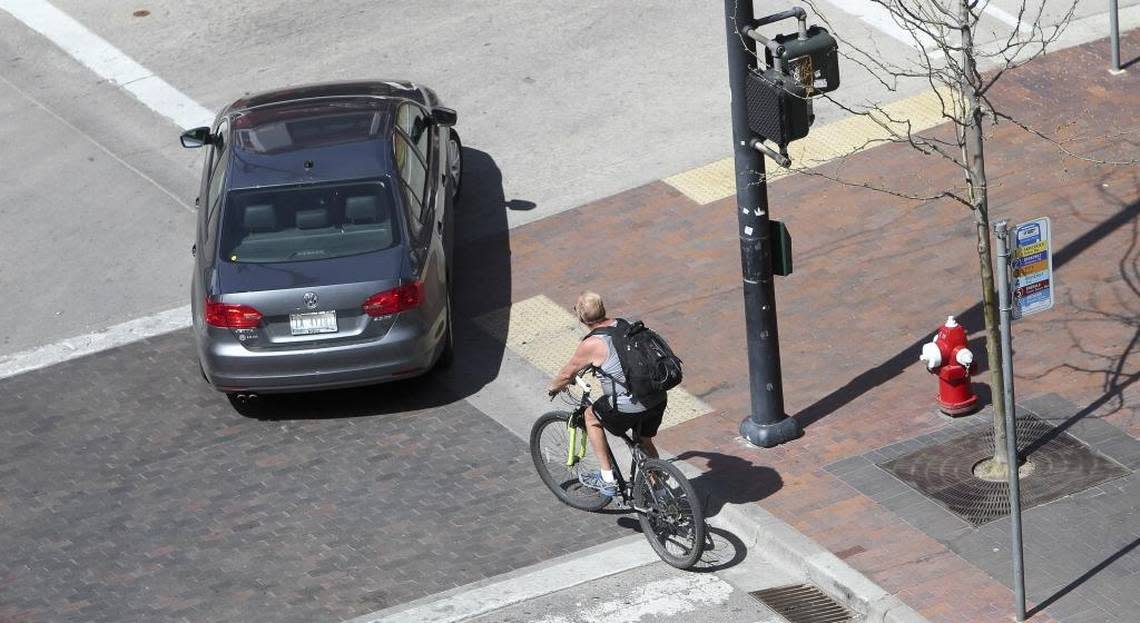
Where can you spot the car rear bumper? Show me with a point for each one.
(407, 350)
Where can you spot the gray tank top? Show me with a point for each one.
(613, 381)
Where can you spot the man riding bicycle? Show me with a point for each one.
(618, 410)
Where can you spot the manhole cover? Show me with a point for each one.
(1061, 466)
(803, 603)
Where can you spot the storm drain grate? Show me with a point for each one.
(803, 603)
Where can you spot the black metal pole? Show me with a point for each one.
(767, 425)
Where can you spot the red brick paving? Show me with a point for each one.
(874, 276)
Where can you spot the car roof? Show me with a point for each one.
(295, 141)
(267, 150)
(401, 89)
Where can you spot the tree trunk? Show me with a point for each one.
(974, 153)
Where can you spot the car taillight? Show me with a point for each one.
(231, 316)
(403, 298)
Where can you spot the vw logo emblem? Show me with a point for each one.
(311, 300)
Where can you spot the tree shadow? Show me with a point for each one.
(972, 316)
(1116, 378)
(480, 261)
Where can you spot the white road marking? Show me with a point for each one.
(878, 17)
(118, 335)
(661, 598)
(999, 13)
(470, 602)
(108, 62)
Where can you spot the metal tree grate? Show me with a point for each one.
(1061, 466)
(803, 603)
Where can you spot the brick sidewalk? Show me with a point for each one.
(874, 276)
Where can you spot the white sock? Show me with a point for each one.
(607, 475)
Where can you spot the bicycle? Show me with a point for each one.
(665, 501)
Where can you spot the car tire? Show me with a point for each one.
(455, 163)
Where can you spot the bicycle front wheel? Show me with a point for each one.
(550, 448)
(673, 520)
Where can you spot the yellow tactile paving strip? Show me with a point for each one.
(545, 334)
(714, 181)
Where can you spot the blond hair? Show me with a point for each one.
(589, 307)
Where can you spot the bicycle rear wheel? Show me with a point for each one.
(673, 520)
(549, 446)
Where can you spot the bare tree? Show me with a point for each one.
(951, 59)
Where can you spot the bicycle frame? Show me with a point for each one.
(637, 455)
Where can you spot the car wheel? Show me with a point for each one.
(447, 357)
(455, 163)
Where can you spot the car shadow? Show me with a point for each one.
(481, 284)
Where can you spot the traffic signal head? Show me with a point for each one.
(779, 109)
(813, 61)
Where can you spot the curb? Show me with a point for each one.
(783, 544)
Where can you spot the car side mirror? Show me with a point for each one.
(196, 137)
(444, 116)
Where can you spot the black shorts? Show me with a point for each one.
(618, 423)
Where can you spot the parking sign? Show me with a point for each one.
(1032, 264)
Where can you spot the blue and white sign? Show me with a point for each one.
(1032, 264)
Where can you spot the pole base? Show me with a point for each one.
(770, 435)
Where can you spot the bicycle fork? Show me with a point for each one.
(576, 449)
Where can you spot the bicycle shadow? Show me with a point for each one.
(728, 480)
(723, 549)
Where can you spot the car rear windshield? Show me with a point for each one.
(310, 222)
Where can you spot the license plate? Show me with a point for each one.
(312, 323)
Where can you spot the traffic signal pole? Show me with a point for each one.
(767, 425)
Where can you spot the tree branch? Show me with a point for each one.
(1055, 142)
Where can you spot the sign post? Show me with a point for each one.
(1114, 37)
(1030, 256)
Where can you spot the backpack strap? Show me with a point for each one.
(616, 333)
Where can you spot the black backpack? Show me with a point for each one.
(649, 365)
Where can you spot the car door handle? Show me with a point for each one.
(439, 226)
(194, 249)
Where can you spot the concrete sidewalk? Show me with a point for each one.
(875, 275)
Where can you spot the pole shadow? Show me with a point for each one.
(1068, 588)
(731, 480)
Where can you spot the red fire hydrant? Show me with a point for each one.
(949, 358)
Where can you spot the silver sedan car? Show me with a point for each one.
(324, 232)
